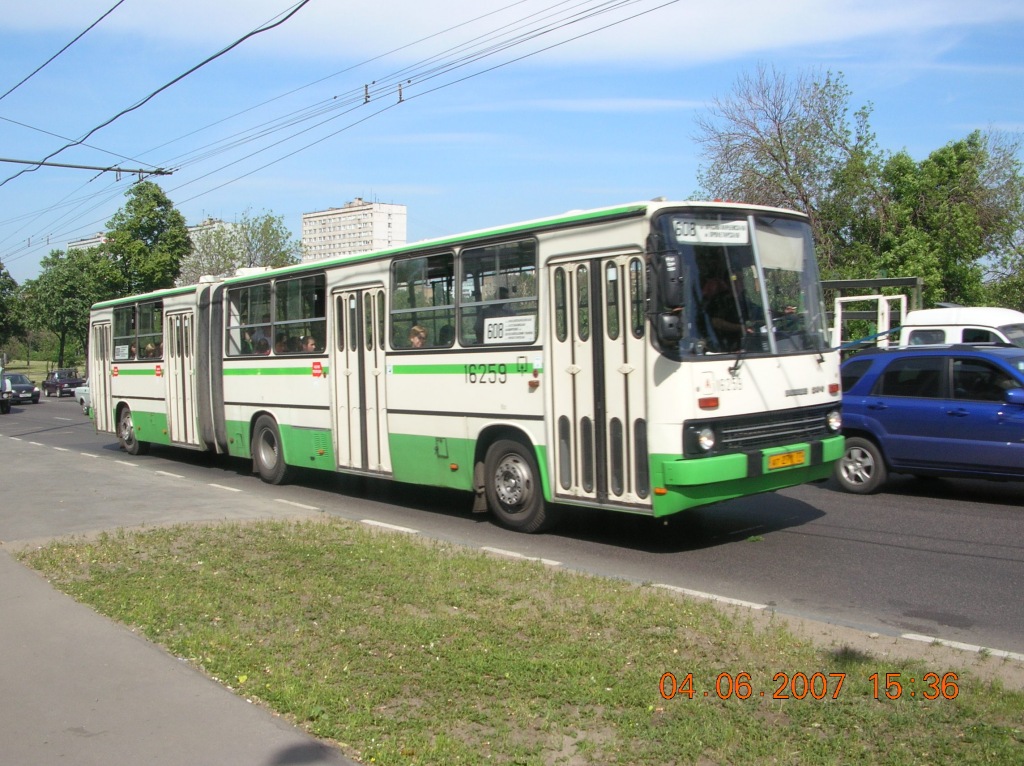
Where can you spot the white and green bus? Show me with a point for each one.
(647, 358)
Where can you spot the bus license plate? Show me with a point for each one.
(787, 459)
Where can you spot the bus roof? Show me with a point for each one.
(569, 218)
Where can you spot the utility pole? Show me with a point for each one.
(109, 169)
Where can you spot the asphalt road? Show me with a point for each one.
(939, 558)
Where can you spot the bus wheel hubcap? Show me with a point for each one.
(512, 482)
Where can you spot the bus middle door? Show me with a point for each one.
(361, 431)
(179, 374)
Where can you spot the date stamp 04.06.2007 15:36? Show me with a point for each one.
(819, 686)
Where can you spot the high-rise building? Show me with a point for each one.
(357, 227)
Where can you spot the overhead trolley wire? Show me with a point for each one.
(55, 55)
(295, 9)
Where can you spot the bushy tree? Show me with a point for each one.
(788, 142)
(59, 300)
(147, 240)
(10, 318)
(220, 249)
(953, 219)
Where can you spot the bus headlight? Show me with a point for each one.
(706, 438)
(834, 421)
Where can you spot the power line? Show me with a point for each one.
(55, 55)
(295, 9)
(495, 41)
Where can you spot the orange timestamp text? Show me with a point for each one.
(818, 686)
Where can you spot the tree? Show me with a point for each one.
(951, 219)
(788, 143)
(147, 240)
(220, 249)
(10, 318)
(59, 300)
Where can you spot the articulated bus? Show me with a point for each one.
(647, 358)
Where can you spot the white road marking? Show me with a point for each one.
(515, 555)
(711, 596)
(965, 647)
(297, 505)
(393, 527)
(229, 489)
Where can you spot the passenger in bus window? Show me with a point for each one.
(446, 336)
(418, 336)
(263, 347)
(308, 344)
(149, 351)
(131, 351)
(281, 343)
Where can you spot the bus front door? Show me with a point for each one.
(597, 363)
(361, 431)
(180, 378)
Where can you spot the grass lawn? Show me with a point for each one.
(407, 651)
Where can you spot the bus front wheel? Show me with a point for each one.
(513, 488)
(267, 452)
(126, 434)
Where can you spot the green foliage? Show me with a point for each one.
(60, 298)
(11, 324)
(147, 240)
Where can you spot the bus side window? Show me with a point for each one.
(498, 299)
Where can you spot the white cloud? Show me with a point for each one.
(680, 32)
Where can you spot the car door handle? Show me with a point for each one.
(958, 413)
(878, 406)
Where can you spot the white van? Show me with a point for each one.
(962, 324)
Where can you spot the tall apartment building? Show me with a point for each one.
(357, 227)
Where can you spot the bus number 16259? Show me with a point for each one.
(486, 373)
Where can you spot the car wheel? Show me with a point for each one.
(861, 469)
(126, 435)
(267, 452)
(512, 483)
(49, 393)
(5, 408)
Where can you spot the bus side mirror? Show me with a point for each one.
(670, 281)
(669, 328)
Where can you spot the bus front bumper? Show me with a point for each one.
(700, 481)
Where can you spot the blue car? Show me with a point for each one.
(932, 411)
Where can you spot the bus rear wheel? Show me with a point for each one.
(267, 452)
(126, 434)
(513, 488)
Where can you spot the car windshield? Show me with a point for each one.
(19, 379)
(1014, 333)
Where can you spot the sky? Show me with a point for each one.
(472, 113)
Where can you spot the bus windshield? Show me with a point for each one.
(748, 284)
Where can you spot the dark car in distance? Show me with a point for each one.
(24, 390)
(932, 411)
(61, 382)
